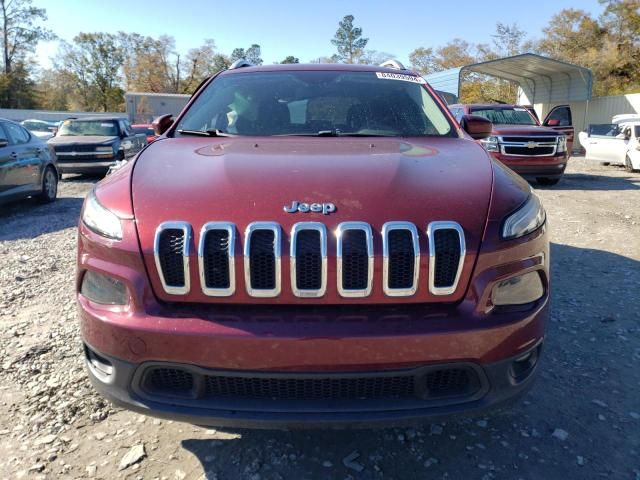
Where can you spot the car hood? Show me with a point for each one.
(81, 139)
(375, 180)
(529, 130)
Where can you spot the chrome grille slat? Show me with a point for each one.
(216, 254)
(306, 264)
(352, 255)
(262, 263)
(400, 268)
(171, 256)
(451, 260)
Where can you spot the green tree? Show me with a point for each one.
(251, 54)
(291, 59)
(94, 60)
(348, 40)
(21, 32)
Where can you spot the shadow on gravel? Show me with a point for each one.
(29, 219)
(582, 181)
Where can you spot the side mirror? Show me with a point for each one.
(476, 126)
(622, 136)
(161, 124)
(3, 142)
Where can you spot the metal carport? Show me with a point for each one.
(544, 82)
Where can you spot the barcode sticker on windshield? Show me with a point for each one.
(401, 76)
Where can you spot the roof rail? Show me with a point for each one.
(240, 63)
(391, 63)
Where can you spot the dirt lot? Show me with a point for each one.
(582, 419)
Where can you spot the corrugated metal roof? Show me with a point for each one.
(541, 79)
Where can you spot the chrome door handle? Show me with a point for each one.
(13, 155)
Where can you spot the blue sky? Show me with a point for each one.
(300, 28)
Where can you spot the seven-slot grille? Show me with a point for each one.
(308, 258)
(528, 146)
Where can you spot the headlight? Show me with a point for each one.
(562, 144)
(100, 220)
(490, 144)
(526, 219)
(518, 290)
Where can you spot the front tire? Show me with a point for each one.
(547, 180)
(49, 186)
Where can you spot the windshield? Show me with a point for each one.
(37, 126)
(506, 116)
(101, 128)
(317, 102)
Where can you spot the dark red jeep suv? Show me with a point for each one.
(313, 245)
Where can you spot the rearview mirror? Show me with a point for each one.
(476, 126)
(161, 124)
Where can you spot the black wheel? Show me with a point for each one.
(547, 180)
(628, 166)
(49, 186)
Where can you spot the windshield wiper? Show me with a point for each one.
(213, 132)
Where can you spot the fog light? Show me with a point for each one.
(104, 290)
(521, 367)
(518, 290)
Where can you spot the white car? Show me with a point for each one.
(40, 128)
(613, 143)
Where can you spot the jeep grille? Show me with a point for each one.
(308, 258)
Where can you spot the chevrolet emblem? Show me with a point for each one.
(532, 144)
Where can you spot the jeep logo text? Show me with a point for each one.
(324, 208)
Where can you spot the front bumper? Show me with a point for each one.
(499, 386)
(85, 167)
(274, 343)
(531, 167)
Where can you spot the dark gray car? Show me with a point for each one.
(27, 166)
(94, 144)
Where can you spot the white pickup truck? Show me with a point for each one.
(615, 143)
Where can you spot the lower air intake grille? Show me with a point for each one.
(216, 259)
(448, 382)
(169, 381)
(197, 384)
(262, 260)
(308, 260)
(310, 388)
(401, 259)
(355, 260)
(447, 251)
(171, 256)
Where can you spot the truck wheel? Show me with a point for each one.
(628, 166)
(49, 186)
(547, 180)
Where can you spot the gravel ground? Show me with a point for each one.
(581, 420)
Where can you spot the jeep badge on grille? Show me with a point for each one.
(324, 208)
